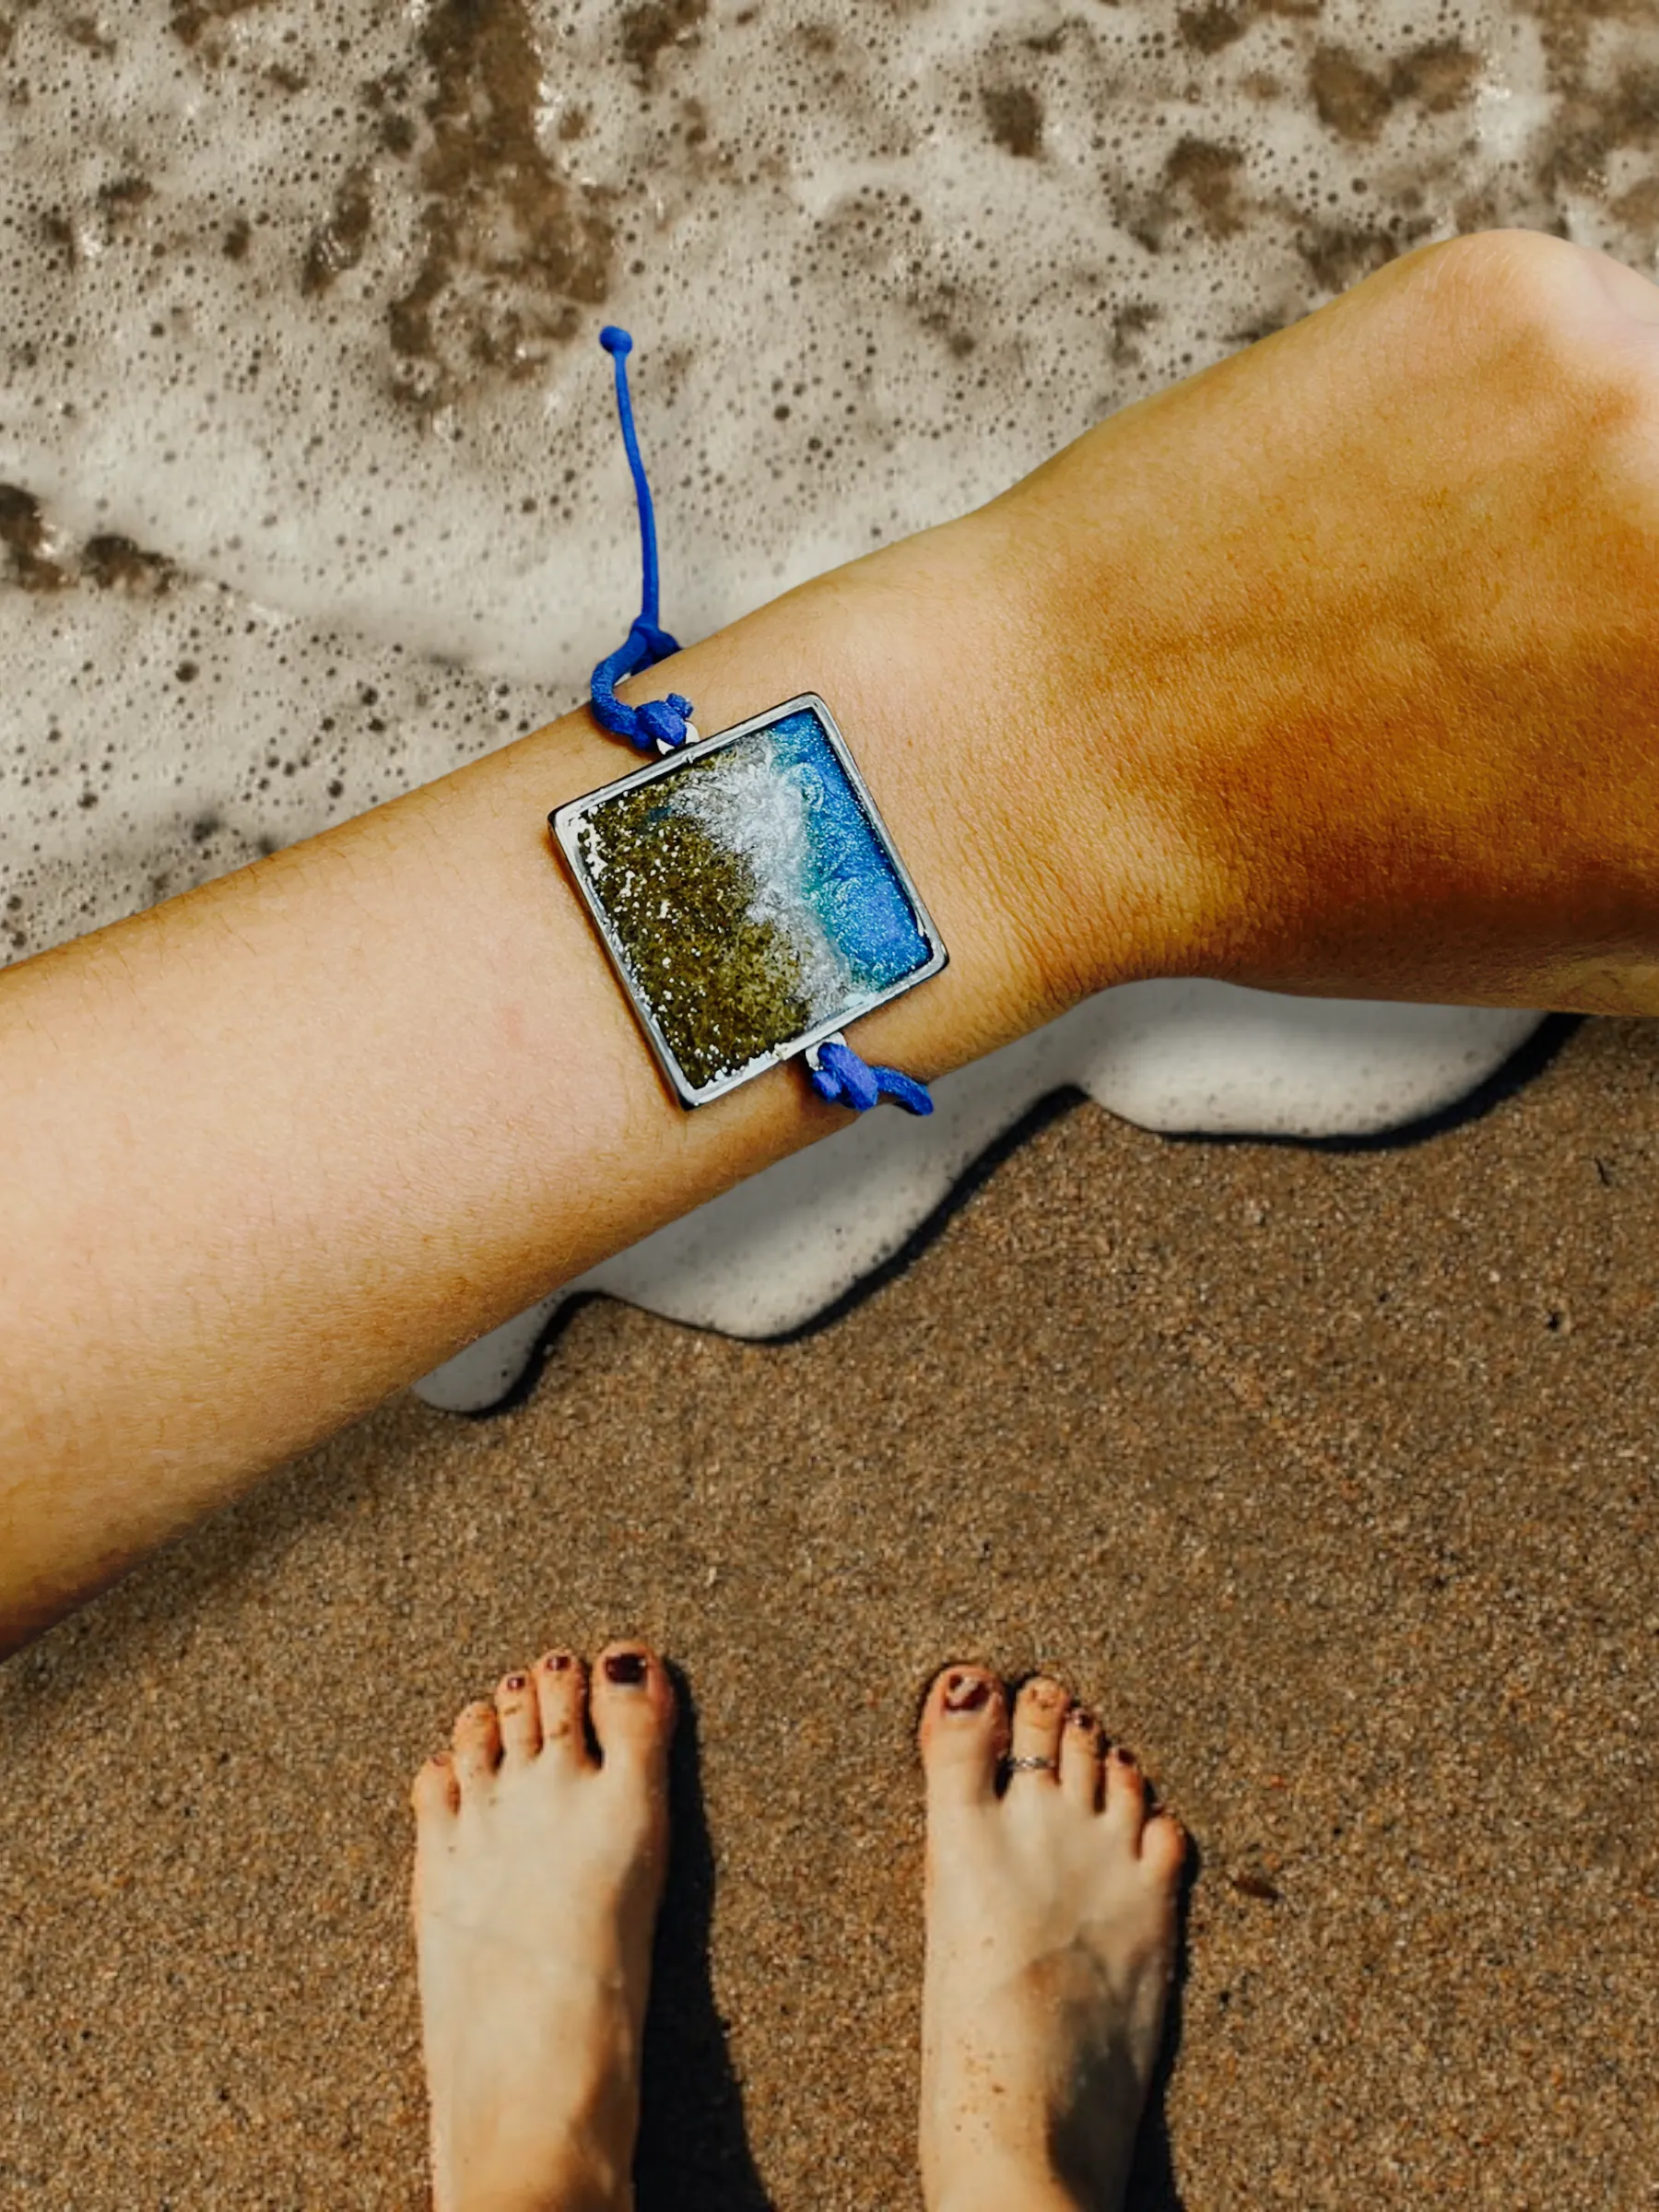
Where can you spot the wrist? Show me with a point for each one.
(1047, 870)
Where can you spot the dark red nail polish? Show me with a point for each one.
(1123, 1751)
(557, 1662)
(966, 1693)
(1079, 1718)
(514, 1682)
(627, 1667)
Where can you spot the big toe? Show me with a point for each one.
(964, 1733)
(631, 1704)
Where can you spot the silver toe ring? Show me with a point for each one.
(1032, 1766)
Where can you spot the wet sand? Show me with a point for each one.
(1329, 1475)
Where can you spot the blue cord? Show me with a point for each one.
(843, 1080)
(833, 1069)
(618, 345)
(659, 723)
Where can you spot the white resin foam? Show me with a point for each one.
(315, 487)
(751, 806)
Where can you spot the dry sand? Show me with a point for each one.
(1330, 1477)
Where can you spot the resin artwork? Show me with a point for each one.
(749, 897)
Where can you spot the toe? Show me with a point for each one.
(964, 1733)
(632, 1703)
(1163, 1848)
(1039, 1719)
(562, 1692)
(1126, 1793)
(518, 1719)
(1080, 1759)
(433, 1793)
(478, 1745)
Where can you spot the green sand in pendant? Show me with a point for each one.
(723, 982)
(749, 896)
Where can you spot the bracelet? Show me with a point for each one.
(744, 886)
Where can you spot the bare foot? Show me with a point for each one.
(537, 1873)
(1050, 1936)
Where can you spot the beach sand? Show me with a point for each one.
(1329, 1476)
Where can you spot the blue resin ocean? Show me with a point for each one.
(780, 799)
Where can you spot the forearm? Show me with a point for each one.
(1333, 668)
(279, 1146)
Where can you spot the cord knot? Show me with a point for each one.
(841, 1078)
(664, 723)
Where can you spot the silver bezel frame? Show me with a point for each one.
(567, 820)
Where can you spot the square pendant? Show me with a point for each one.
(749, 897)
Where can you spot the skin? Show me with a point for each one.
(1050, 1940)
(1051, 1915)
(538, 1871)
(1333, 669)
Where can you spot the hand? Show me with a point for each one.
(1367, 620)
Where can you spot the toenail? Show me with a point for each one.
(556, 1661)
(627, 1667)
(1122, 1752)
(1079, 1718)
(966, 1693)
